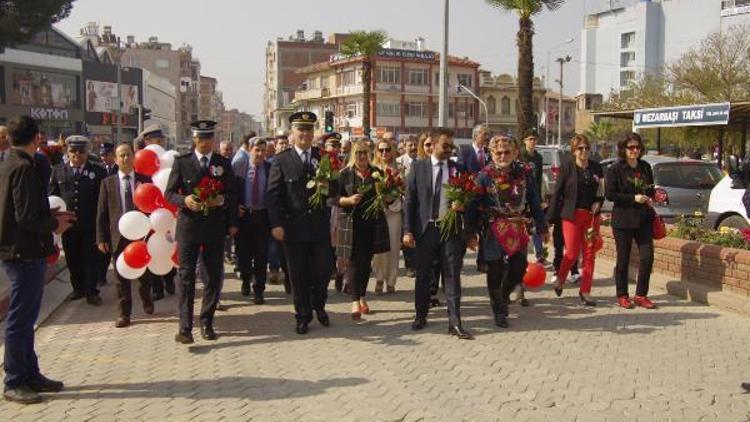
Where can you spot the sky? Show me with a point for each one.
(230, 36)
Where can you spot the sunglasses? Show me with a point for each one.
(362, 152)
(584, 148)
(633, 147)
(384, 150)
(427, 145)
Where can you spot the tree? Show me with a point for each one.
(366, 44)
(601, 130)
(524, 39)
(21, 19)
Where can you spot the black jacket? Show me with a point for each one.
(419, 194)
(626, 213)
(27, 225)
(81, 194)
(537, 162)
(565, 193)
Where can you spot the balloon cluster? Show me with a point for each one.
(55, 202)
(151, 229)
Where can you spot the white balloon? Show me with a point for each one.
(160, 179)
(134, 225)
(160, 247)
(127, 271)
(161, 265)
(166, 160)
(158, 149)
(57, 202)
(162, 221)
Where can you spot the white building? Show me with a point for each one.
(161, 97)
(622, 39)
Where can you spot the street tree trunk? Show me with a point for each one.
(366, 90)
(525, 111)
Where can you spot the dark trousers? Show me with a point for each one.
(213, 255)
(83, 259)
(309, 266)
(361, 276)
(559, 241)
(123, 290)
(503, 275)
(450, 254)
(159, 282)
(26, 288)
(408, 258)
(252, 248)
(624, 238)
(105, 259)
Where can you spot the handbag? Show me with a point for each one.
(659, 228)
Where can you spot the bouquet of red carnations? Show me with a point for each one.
(389, 186)
(328, 171)
(207, 191)
(459, 191)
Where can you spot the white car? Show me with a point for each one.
(725, 207)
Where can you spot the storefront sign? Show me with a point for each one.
(733, 11)
(693, 115)
(41, 113)
(395, 54)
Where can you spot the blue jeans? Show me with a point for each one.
(538, 246)
(26, 288)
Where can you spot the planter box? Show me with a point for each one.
(691, 269)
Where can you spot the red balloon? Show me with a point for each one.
(54, 257)
(136, 254)
(176, 257)
(148, 198)
(535, 276)
(146, 162)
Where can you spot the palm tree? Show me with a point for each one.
(366, 44)
(524, 39)
(601, 130)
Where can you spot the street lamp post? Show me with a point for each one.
(443, 98)
(460, 87)
(562, 62)
(546, 83)
(118, 110)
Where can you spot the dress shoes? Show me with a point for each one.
(624, 302)
(460, 332)
(419, 323)
(94, 300)
(208, 333)
(148, 308)
(644, 302)
(524, 302)
(323, 318)
(501, 321)
(245, 289)
(185, 337)
(745, 386)
(586, 300)
(122, 322)
(76, 296)
(301, 327)
(434, 302)
(258, 299)
(22, 395)
(42, 384)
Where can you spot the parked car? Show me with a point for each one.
(725, 208)
(552, 157)
(683, 186)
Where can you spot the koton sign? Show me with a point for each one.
(42, 113)
(693, 115)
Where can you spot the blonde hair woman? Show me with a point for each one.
(385, 265)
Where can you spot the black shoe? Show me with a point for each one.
(94, 300)
(501, 321)
(159, 295)
(42, 384)
(301, 327)
(169, 286)
(208, 333)
(258, 299)
(76, 296)
(323, 318)
(184, 337)
(460, 332)
(122, 322)
(245, 289)
(585, 301)
(434, 302)
(22, 395)
(524, 302)
(411, 273)
(419, 323)
(339, 282)
(746, 386)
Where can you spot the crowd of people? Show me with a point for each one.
(298, 209)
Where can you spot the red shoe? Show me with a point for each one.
(364, 309)
(624, 302)
(644, 302)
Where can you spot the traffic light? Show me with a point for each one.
(328, 121)
(146, 114)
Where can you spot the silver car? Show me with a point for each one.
(683, 187)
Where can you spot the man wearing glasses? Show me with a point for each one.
(77, 183)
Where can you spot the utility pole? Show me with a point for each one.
(546, 86)
(460, 87)
(443, 98)
(562, 62)
(118, 111)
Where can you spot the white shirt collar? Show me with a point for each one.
(301, 151)
(122, 175)
(199, 155)
(435, 161)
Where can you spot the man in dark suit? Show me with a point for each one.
(115, 199)
(425, 205)
(107, 152)
(252, 242)
(475, 156)
(201, 226)
(304, 230)
(77, 183)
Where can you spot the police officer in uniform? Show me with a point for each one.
(304, 231)
(77, 183)
(201, 226)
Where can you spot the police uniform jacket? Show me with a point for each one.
(80, 193)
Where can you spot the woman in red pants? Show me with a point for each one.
(577, 200)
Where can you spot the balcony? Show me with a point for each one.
(312, 94)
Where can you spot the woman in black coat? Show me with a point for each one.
(630, 186)
(576, 202)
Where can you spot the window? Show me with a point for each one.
(389, 75)
(465, 80)
(352, 110)
(417, 76)
(627, 59)
(389, 109)
(505, 106)
(416, 109)
(437, 79)
(35, 88)
(465, 110)
(627, 40)
(491, 105)
(625, 77)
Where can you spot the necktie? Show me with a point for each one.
(204, 163)
(306, 160)
(256, 189)
(76, 171)
(128, 194)
(481, 158)
(436, 192)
